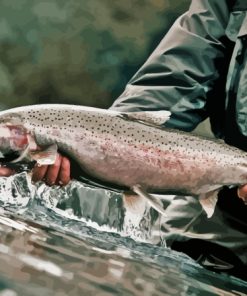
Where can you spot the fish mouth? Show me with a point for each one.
(9, 157)
(15, 161)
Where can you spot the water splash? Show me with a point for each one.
(16, 191)
(98, 208)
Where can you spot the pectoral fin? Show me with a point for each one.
(46, 156)
(208, 202)
(154, 202)
(152, 117)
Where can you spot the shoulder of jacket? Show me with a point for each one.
(239, 5)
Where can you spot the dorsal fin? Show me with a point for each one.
(152, 117)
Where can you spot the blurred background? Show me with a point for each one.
(77, 51)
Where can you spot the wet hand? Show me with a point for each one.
(58, 173)
(242, 193)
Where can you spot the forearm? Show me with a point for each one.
(182, 70)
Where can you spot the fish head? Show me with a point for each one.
(14, 139)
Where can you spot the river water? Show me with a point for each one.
(79, 240)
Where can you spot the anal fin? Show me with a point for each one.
(208, 202)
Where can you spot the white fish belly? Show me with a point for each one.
(154, 168)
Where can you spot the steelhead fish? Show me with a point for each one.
(132, 150)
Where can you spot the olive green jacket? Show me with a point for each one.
(199, 70)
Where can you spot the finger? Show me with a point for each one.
(39, 173)
(6, 172)
(242, 193)
(64, 173)
(53, 171)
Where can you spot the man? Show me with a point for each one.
(199, 70)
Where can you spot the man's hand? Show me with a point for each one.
(58, 173)
(242, 193)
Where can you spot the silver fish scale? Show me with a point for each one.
(127, 152)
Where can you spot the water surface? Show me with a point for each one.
(59, 242)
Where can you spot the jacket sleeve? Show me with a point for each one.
(183, 69)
